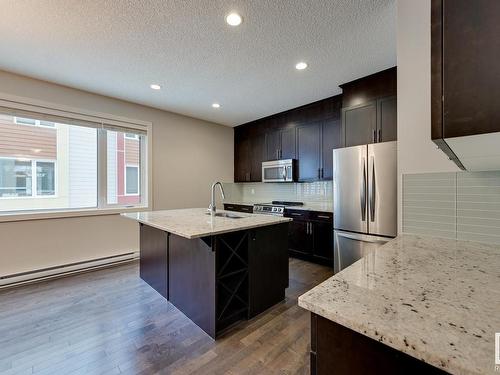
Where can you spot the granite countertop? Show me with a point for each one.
(194, 222)
(309, 206)
(435, 299)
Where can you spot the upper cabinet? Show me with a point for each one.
(365, 113)
(369, 112)
(308, 134)
(465, 81)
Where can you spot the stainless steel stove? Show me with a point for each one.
(276, 208)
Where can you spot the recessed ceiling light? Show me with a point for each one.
(233, 19)
(216, 105)
(301, 65)
(154, 86)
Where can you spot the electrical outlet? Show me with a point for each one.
(252, 191)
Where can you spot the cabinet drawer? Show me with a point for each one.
(297, 214)
(321, 216)
(238, 208)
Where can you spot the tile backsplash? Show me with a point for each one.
(321, 191)
(463, 205)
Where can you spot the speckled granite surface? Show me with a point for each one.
(194, 222)
(435, 299)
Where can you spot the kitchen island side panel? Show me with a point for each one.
(191, 280)
(154, 258)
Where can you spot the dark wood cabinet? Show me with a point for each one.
(280, 144)
(387, 119)
(372, 122)
(249, 153)
(153, 258)
(369, 112)
(288, 147)
(308, 133)
(257, 156)
(360, 124)
(322, 240)
(242, 165)
(310, 236)
(298, 238)
(338, 350)
(331, 138)
(465, 73)
(308, 151)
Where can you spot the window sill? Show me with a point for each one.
(61, 214)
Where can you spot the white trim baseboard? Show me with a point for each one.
(9, 281)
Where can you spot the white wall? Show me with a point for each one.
(188, 154)
(416, 151)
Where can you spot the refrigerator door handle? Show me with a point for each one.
(372, 191)
(362, 194)
(358, 238)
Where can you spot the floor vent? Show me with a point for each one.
(17, 279)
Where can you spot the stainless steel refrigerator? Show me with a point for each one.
(364, 200)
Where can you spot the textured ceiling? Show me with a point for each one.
(117, 48)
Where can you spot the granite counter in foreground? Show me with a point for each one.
(195, 223)
(434, 299)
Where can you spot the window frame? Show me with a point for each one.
(23, 104)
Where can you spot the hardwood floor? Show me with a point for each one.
(112, 322)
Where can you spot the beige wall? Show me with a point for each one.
(416, 151)
(188, 154)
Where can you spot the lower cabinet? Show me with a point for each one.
(310, 236)
(338, 350)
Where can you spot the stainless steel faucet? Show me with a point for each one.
(212, 209)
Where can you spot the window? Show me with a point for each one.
(131, 136)
(15, 178)
(55, 165)
(33, 122)
(45, 178)
(132, 180)
(123, 168)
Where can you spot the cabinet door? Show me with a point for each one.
(322, 233)
(331, 138)
(470, 67)
(360, 124)
(273, 145)
(298, 237)
(288, 144)
(387, 123)
(257, 156)
(242, 159)
(308, 151)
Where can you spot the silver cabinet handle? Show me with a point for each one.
(380, 135)
(323, 216)
(372, 192)
(362, 193)
(296, 214)
(374, 135)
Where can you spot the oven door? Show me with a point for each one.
(278, 171)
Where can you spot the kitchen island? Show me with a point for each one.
(218, 269)
(415, 305)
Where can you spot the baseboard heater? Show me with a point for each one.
(17, 279)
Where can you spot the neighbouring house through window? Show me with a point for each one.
(50, 165)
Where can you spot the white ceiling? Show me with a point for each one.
(118, 48)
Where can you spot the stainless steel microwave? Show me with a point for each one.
(279, 171)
